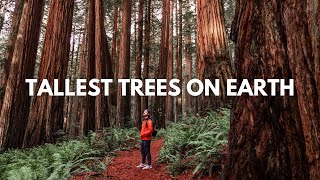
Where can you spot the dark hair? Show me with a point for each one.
(147, 111)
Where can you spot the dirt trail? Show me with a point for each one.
(123, 166)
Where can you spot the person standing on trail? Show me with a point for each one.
(146, 137)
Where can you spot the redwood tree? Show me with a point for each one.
(137, 99)
(123, 102)
(16, 103)
(274, 137)
(103, 66)
(46, 116)
(169, 99)
(212, 50)
(159, 102)
(17, 13)
(188, 60)
(144, 99)
(115, 36)
(98, 65)
(179, 59)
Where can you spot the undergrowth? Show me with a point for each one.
(196, 142)
(58, 161)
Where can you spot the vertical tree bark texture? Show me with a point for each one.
(83, 72)
(144, 99)
(123, 102)
(153, 62)
(301, 63)
(98, 66)
(313, 9)
(116, 72)
(177, 56)
(159, 103)
(188, 71)
(115, 36)
(90, 100)
(274, 137)
(137, 99)
(75, 117)
(103, 66)
(74, 123)
(46, 116)
(10, 46)
(213, 52)
(179, 60)
(318, 50)
(169, 99)
(16, 103)
(188, 66)
(68, 102)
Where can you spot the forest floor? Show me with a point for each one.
(123, 167)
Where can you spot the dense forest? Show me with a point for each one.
(241, 137)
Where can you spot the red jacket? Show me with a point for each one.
(146, 131)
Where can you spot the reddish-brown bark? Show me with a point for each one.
(115, 37)
(46, 116)
(123, 102)
(137, 98)
(179, 59)
(274, 137)
(144, 99)
(99, 67)
(212, 50)
(159, 102)
(16, 103)
(17, 13)
(169, 114)
(188, 70)
(103, 66)
(82, 74)
(75, 128)
(89, 119)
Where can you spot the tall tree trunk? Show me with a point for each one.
(46, 116)
(179, 59)
(116, 63)
(188, 67)
(73, 128)
(97, 115)
(144, 99)
(213, 51)
(274, 137)
(67, 102)
(188, 71)
(10, 46)
(16, 103)
(83, 73)
(318, 50)
(159, 107)
(137, 99)
(103, 66)
(75, 118)
(90, 100)
(169, 99)
(313, 9)
(115, 36)
(123, 102)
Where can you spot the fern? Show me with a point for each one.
(196, 142)
(59, 161)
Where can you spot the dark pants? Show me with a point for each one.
(145, 151)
